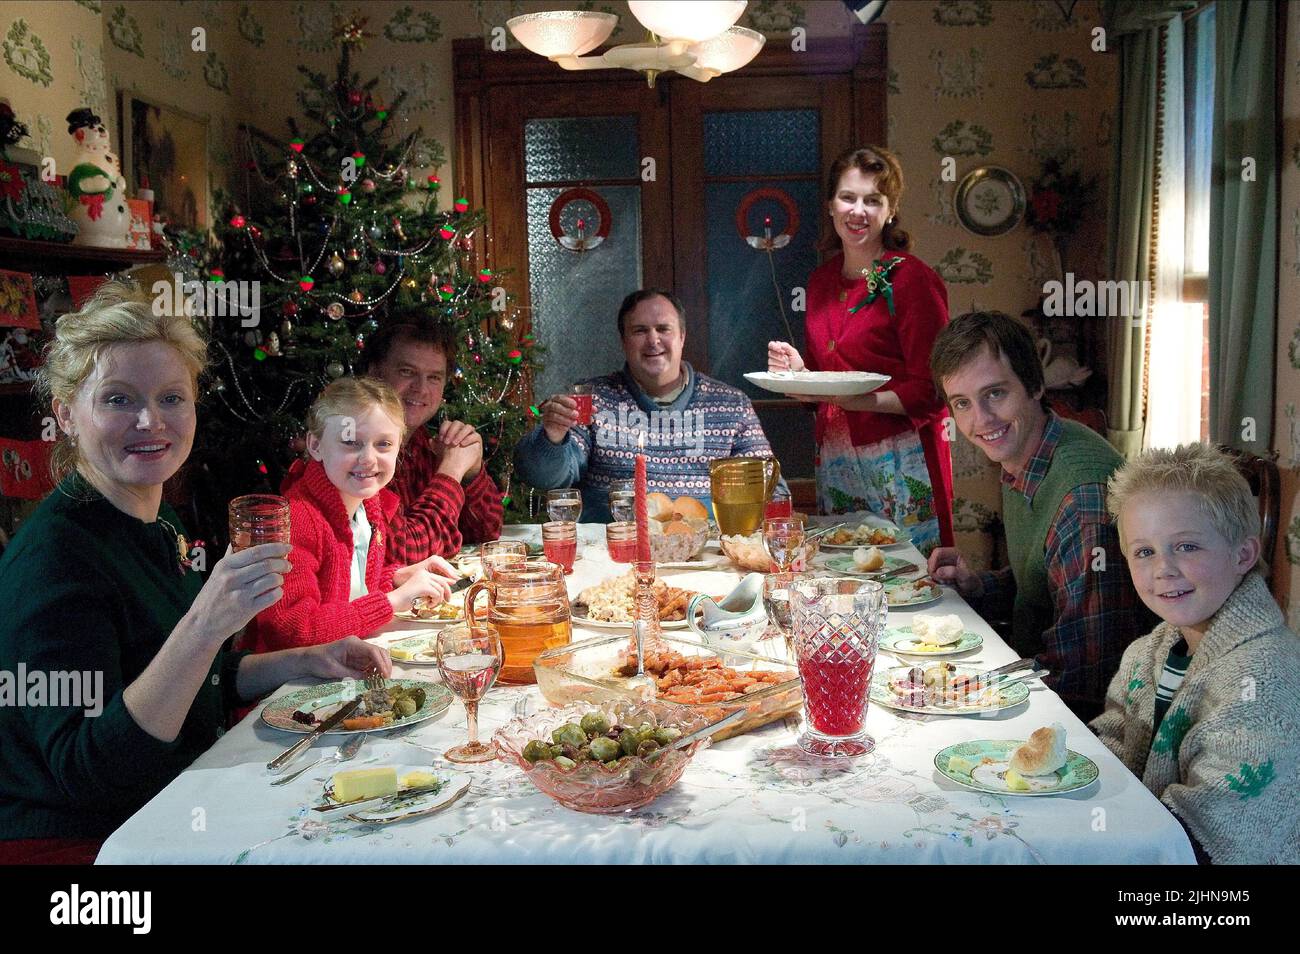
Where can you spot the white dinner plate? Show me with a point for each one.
(821, 383)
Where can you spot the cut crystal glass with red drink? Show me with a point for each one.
(837, 627)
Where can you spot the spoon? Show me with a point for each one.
(343, 753)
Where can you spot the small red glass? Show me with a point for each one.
(560, 543)
(582, 396)
(776, 509)
(620, 538)
(257, 519)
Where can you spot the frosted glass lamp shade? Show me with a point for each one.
(693, 20)
(562, 32)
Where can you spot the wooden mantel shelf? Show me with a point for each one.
(28, 255)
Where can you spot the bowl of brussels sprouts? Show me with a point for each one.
(593, 758)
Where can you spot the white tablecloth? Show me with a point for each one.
(754, 798)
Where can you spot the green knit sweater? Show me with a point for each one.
(1227, 755)
(87, 588)
(1081, 457)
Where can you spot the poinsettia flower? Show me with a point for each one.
(11, 182)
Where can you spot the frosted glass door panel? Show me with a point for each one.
(575, 295)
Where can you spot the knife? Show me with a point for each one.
(360, 803)
(305, 743)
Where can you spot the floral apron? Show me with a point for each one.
(888, 478)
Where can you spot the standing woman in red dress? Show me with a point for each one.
(875, 307)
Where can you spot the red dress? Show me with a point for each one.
(898, 345)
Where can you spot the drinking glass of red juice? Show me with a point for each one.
(582, 396)
(560, 543)
(837, 626)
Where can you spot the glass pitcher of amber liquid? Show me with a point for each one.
(528, 605)
(741, 488)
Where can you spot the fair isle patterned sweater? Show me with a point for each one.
(1227, 755)
(708, 420)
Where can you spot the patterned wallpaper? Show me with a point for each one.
(1009, 83)
(1286, 435)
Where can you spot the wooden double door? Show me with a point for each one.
(596, 185)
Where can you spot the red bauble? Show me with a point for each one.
(237, 221)
(354, 97)
(289, 308)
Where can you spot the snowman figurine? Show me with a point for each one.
(95, 182)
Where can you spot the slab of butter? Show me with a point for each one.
(364, 783)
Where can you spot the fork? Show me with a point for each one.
(374, 681)
(344, 753)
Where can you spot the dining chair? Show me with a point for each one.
(1266, 484)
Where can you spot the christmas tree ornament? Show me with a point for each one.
(478, 359)
(459, 375)
(334, 369)
(309, 200)
(380, 267)
(445, 292)
(412, 184)
(462, 205)
(485, 275)
(308, 188)
(336, 266)
(335, 310)
(218, 386)
(367, 186)
(237, 221)
(259, 354)
(255, 233)
(289, 308)
(515, 356)
(508, 324)
(306, 282)
(273, 345)
(446, 233)
(434, 183)
(345, 196)
(356, 296)
(217, 275)
(359, 158)
(361, 342)
(409, 283)
(291, 167)
(374, 231)
(354, 97)
(286, 328)
(296, 144)
(352, 255)
(465, 244)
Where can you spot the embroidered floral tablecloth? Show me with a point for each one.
(752, 799)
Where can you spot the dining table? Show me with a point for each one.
(753, 798)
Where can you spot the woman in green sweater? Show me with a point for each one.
(112, 674)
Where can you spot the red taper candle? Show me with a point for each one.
(642, 513)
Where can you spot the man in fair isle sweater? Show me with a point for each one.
(1070, 601)
(682, 418)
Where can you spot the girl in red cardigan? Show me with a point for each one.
(341, 584)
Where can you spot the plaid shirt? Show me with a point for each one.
(438, 514)
(1097, 614)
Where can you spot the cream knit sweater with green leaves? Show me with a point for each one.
(1226, 759)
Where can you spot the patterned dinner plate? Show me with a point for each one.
(901, 640)
(450, 788)
(982, 765)
(1008, 698)
(322, 700)
(935, 591)
(893, 565)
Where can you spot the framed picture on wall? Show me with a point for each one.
(167, 148)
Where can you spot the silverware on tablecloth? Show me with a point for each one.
(306, 742)
(360, 803)
(344, 753)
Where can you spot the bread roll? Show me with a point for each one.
(1043, 754)
(690, 507)
(868, 560)
(659, 506)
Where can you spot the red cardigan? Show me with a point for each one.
(315, 607)
(898, 345)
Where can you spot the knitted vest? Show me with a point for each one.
(1081, 457)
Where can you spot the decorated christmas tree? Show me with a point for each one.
(354, 241)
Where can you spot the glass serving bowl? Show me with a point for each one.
(586, 671)
(677, 547)
(597, 787)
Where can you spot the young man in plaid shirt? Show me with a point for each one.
(1070, 598)
(446, 493)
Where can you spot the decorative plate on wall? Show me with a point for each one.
(990, 201)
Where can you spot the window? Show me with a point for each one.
(1178, 376)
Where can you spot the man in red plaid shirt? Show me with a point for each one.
(446, 493)
(1071, 601)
